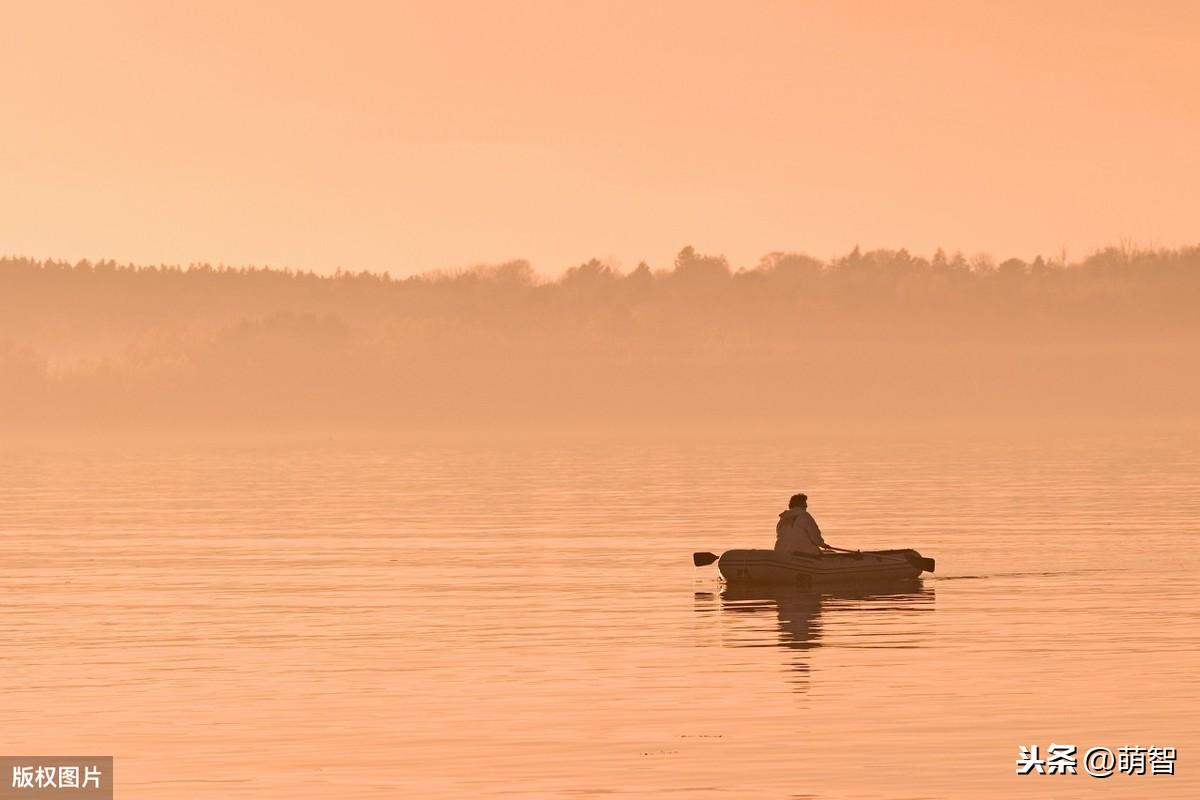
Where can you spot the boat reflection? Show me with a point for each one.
(878, 616)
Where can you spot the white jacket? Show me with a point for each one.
(797, 531)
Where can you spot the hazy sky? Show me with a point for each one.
(412, 136)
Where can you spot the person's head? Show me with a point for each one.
(798, 501)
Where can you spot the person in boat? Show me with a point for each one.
(797, 531)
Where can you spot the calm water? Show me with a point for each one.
(459, 620)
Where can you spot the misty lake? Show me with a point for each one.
(386, 618)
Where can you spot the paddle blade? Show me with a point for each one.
(919, 561)
(703, 559)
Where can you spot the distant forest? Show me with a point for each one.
(869, 336)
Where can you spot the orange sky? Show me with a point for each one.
(412, 136)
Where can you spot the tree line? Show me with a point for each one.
(864, 335)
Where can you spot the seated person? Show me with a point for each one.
(797, 531)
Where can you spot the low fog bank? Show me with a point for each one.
(871, 337)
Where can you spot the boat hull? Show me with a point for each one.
(772, 567)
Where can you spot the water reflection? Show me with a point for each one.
(879, 616)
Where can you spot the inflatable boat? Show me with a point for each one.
(804, 569)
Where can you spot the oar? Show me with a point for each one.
(860, 552)
(704, 559)
(926, 564)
